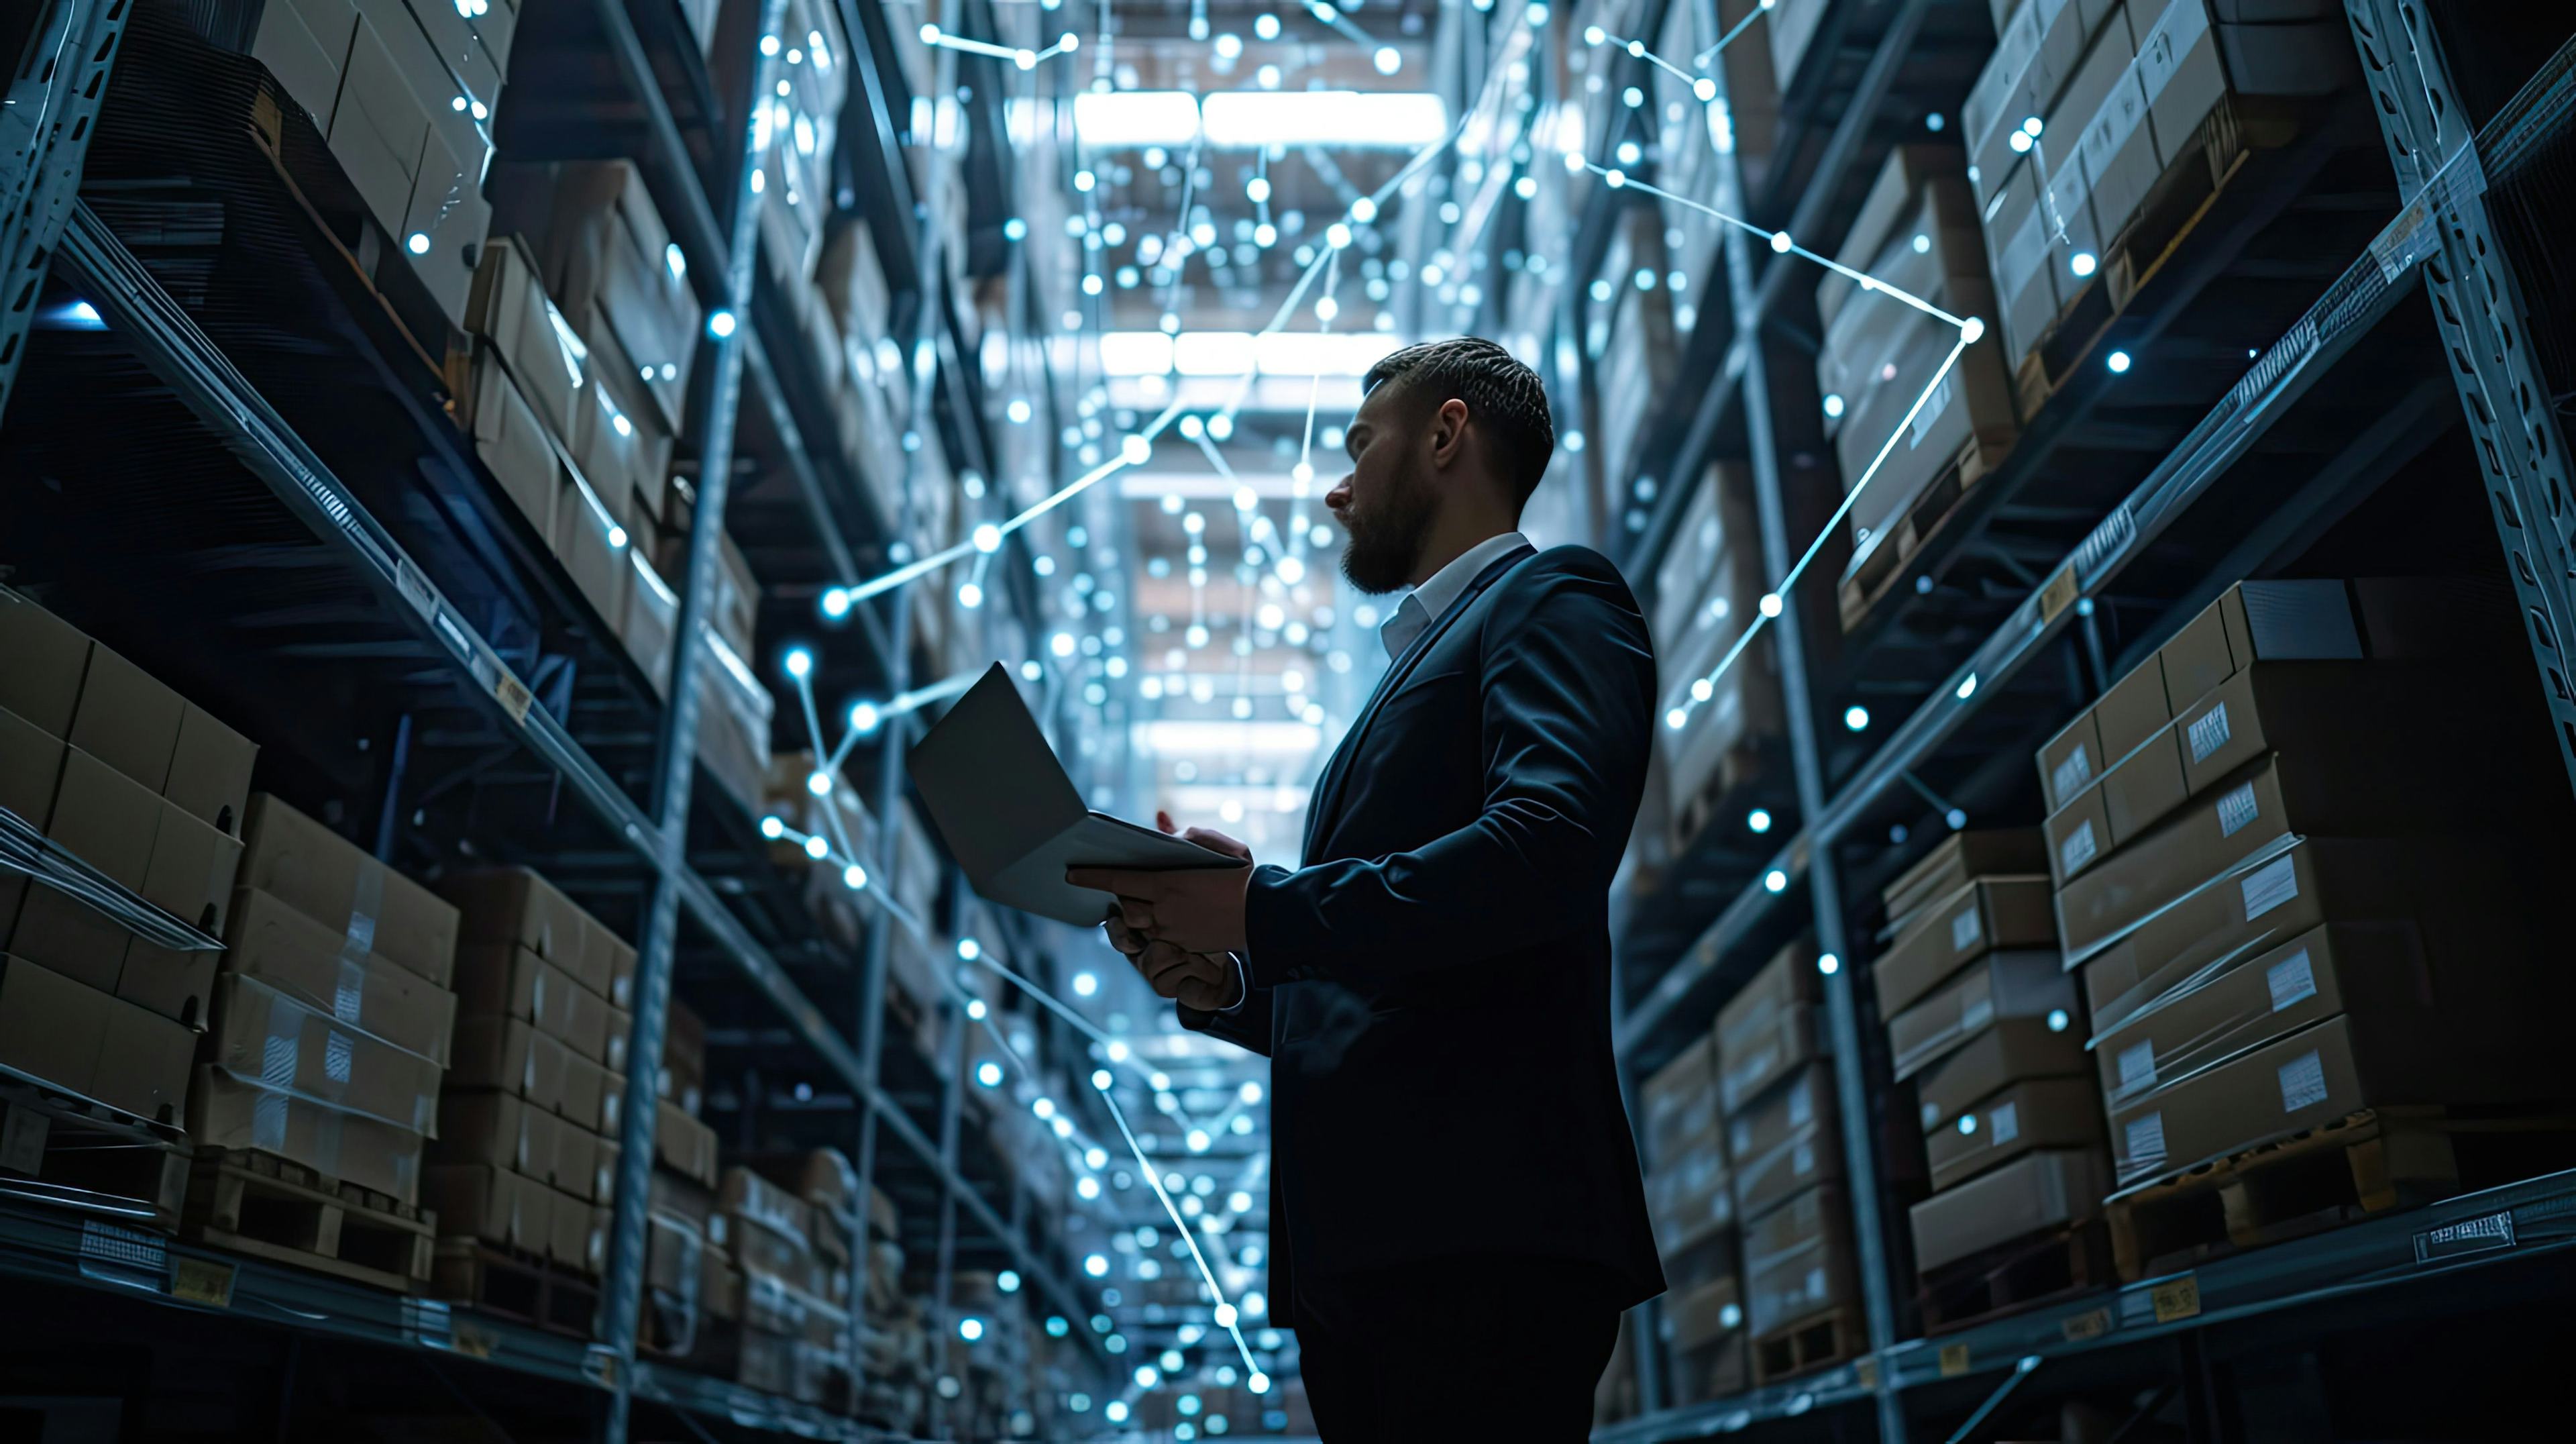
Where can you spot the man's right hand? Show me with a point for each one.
(1209, 982)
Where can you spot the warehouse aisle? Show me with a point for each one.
(490, 491)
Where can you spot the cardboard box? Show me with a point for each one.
(227, 1110)
(31, 770)
(515, 905)
(507, 980)
(80, 1040)
(1784, 1143)
(305, 44)
(508, 1131)
(265, 1033)
(2302, 1081)
(2079, 835)
(1703, 1315)
(2042, 1190)
(1679, 1101)
(600, 243)
(2454, 1010)
(191, 876)
(495, 1205)
(2034, 1113)
(47, 659)
(546, 360)
(2021, 248)
(684, 1058)
(684, 1145)
(2133, 711)
(2069, 761)
(651, 621)
(2383, 787)
(2012, 984)
(1797, 1262)
(590, 540)
(110, 822)
(2441, 887)
(587, 1165)
(1691, 1199)
(330, 880)
(593, 1097)
(1961, 858)
(126, 719)
(1983, 915)
(2013, 1050)
(515, 445)
(618, 442)
(267, 940)
(1758, 1061)
(579, 1237)
(510, 1055)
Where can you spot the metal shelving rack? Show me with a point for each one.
(1678, 963)
(54, 100)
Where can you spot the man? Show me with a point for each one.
(1456, 1216)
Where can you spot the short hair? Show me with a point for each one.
(1504, 399)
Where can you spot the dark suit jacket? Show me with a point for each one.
(1433, 986)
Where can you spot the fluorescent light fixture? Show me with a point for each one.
(1206, 485)
(1131, 118)
(1135, 353)
(1307, 353)
(1375, 119)
(1213, 353)
(1173, 736)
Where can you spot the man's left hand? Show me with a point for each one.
(1198, 910)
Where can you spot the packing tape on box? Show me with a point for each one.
(272, 1113)
(2264, 890)
(369, 900)
(282, 1049)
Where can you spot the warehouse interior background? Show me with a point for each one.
(489, 489)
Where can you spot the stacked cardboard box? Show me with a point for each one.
(146, 788)
(1707, 591)
(1690, 1196)
(894, 1348)
(1982, 1016)
(1776, 1087)
(795, 1336)
(1917, 232)
(2127, 100)
(874, 386)
(1634, 361)
(539, 1082)
(332, 1017)
(2299, 887)
(405, 91)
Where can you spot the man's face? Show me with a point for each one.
(1388, 500)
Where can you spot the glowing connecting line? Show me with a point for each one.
(1739, 27)
(1336, 21)
(1226, 1313)
(1705, 687)
(1781, 242)
(1065, 44)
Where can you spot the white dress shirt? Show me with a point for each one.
(1420, 608)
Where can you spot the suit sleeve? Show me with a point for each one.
(1246, 1026)
(1565, 716)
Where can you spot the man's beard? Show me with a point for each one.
(1386, 538)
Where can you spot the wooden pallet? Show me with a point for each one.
(2368, 1162)
(1812, 1343)
(2175, 206)
(2024, 1273)
(1874, 568)
(515, 1285)
(61, 1148)
(262, 1205)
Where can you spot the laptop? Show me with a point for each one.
(1003, 804)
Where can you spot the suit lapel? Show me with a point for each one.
(1328, 788)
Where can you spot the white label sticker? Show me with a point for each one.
(2004, 1124)
(2078, 848)
(2144, 1143)
(2291, 979)
(2237, 809)
(1815, 1283)
(1801, 1106)
(1965, 929)
(1929, 414)
(2209, 733)
(2269, 886)
(1802, 1159)
(1931, 1116)
(2072, 773)
(2138, 1066)
(2303, 1082)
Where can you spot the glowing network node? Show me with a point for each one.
(989, 1074)
(1856, 718)
(1771, 604)
(2118, 361)
(1758, 820)
(2081, 263)
(1775, 880)
(1828, 964)
(854, 877)
(817, 849)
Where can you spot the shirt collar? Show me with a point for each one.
(1424, 604)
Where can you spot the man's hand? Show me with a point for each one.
(1209, 982)
(1197, 910)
